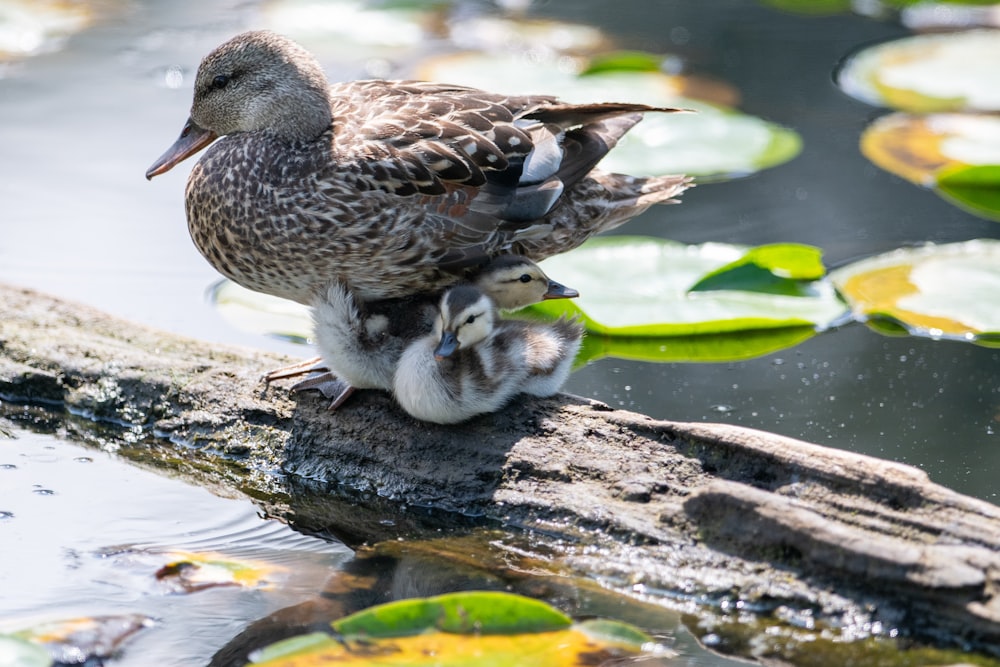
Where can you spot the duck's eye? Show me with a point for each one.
(470, 319)
(220, 82)
(525, 278)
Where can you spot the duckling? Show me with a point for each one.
(472, 363)
(361, 342)
(392, 187)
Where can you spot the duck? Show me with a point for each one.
(473, 363)
(360, 343)
(390, 187)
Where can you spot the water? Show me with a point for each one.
(84, 532)
(80, 125)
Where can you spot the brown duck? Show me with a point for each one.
(388, 187)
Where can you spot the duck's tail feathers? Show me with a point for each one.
(598, 203)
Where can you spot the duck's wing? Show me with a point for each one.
(485, 168)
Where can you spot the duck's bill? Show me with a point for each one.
(447, 346)
(193, 138)
(559, 291)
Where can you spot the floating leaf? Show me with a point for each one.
(191, 572)
(505, 33)
(732, 346)
(976, 189)
(779, 268)
(640, 286)
(713, 143)
(940, 291)
(927, 73)
(29, 27)
(917, 148)
(481, 628)
(623, 61)
(811, 7)
(16, 652)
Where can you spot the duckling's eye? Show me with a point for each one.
(471, 319)
(220, 82)
(525, 278)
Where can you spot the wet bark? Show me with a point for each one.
(701, 511)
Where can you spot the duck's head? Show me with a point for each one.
(466, 317)
(513, 282)
(256, 81)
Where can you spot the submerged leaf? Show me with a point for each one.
(940, 291)
(191, 572)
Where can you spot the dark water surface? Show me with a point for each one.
(79, 126)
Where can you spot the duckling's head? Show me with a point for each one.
(466, 317)
(256, 81)
(513, 282)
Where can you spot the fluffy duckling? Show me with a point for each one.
(392, 187)
(361, 343)
(473, 363)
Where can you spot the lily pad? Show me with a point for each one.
(976, 189)
(938, 291)
(927, 73)
(16, 652)
(713, 143)
(643, 286)
(190, 572)
(29, 27)
(723, 347)
(919, 148)
(482, 628)
(261, 313)
(80, 640)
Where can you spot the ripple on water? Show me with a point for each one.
(98, 533)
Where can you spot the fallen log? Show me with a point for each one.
(703, 512)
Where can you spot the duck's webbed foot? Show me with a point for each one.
(303, 367)
(329, 385)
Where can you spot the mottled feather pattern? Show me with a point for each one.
(393, 187)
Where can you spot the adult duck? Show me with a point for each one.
(389, 187)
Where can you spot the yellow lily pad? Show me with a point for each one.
(928, 73)
(939, 291)
(190, 572)
(75, 640)
(480, 628)
(919, 148)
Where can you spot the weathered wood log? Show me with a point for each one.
(704, 510)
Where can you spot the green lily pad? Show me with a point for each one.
(711, 348)
(939, 291)
(482, 628)
(16, 652)
(641, 286)
(713, 143)
(623, 61)
(927, 73)
(976, 189)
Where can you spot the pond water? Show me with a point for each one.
(80, 124)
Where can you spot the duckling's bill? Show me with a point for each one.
(559, 291)
(193, 138)
(447, 346)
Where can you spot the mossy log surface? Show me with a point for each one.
(700, 511)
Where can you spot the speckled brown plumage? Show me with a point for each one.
(391, 187)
